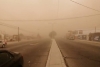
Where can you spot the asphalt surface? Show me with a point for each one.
(75, 53)
(35, 53)
(79, 54)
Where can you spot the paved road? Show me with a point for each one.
(35, 52)
(79, 54)
(75, 53)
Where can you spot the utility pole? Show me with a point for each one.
(95, 30)
(52, 26)
(18, 34)
(38, 30)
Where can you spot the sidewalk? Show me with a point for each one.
(89, 42)
(55, 58)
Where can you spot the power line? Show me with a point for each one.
(57, 19)
(92, 29)
(14, 27)
(25, 30)
(8, 25)
(85, 6)
(58, 10)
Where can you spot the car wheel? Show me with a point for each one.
(3, 46)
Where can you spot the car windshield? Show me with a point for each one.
(51, 33)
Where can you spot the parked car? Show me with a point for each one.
(71, 38)
(3, 43)
(10, 59)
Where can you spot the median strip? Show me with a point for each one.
(55, 58)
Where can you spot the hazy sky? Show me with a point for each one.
(48, 9)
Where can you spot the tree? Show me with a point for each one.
(52, 34)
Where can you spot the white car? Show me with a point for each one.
(3, 43)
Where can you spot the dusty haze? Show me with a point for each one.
(48, 9)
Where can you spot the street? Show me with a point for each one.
(49, 33)
(79, 54)
(75, 53)
(35, 53)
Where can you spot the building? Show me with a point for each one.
(87, 34)
(94, 36)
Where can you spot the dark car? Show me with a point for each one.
(10, 59)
